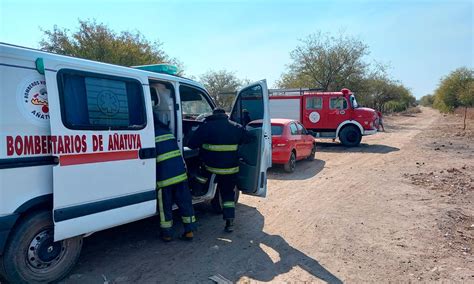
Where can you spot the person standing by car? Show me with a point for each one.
(218, 140)
(172, 184)
(379, 114)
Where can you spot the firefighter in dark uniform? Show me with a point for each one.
(172, 185)
(218, 140)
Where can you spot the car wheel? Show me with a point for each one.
(216, 202)
(32, 255)
(350, 136)
(291, 164)
(311, 156)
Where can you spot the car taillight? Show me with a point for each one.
(280, 145)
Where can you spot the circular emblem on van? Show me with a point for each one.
(314, 117)
(108, 103)
(32, 100)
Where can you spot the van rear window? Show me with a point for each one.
(94, 101)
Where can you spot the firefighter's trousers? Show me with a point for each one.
(226, 185)
(180, 195)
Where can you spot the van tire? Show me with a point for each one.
(31, 240)
(350, 136)
(216, 202)
(290, 166)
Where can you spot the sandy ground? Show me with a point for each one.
(398, 208)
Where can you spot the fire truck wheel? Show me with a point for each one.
(311, 156)
(216, 202)
(32, 256)
(291, 164)
(350, 136)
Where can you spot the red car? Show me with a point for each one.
(290, 142)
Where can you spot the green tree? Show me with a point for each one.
(427, 100)
(96, 41)
(326, 62)
(222, 86)
(454, 90)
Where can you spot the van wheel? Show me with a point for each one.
(216, 202)
(291, 164)
(311, 156)
(32, 256)
(350, 136)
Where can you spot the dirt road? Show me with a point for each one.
(399, 208)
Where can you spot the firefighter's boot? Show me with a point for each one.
(229, 225)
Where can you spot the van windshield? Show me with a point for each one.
(193, 103)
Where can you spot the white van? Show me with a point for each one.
(77, 152)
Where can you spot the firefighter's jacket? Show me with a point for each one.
(218, 140)
(170, 167)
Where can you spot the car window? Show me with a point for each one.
(303, 131)
(299, 128)
(314, 103)
(293, 129)
(338, 103)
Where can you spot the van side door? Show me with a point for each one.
(256, 157)
(102, 135)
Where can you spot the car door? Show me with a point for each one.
(102, 136)
(295, 140)
(303, 139)
(255, 157)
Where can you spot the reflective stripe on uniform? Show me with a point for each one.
(166, 224)
(228, 204)
(222, 171)
(171, 181)
(220, 148)
(201, 179)
(188, 220)
(168, 155)
(164, 137)
(163, 222)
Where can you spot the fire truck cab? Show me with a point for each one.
(326, 114)
(77, 152)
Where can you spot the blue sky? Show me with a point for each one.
(421, 40)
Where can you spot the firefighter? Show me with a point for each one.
(172, 185)
(218, 140)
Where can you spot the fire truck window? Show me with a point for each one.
(294, 130)
(94, 101)
(314, 103)
(338, 103)
(249, 106)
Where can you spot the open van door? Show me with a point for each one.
(102, 137)
(251, 104)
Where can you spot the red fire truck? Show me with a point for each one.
(326, 114)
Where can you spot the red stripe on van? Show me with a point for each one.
(78, 159)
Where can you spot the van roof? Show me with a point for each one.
(16, 50)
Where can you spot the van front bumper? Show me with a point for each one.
(6, 225)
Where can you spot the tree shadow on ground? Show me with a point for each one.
(335, 147)
(304, 170)
(133, 253)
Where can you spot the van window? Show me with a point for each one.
(193, 102)
(100, 102)
(314, 103)
(249, 106)
(338, 103)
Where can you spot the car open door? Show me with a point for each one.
(102, 137)
(252, 104)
